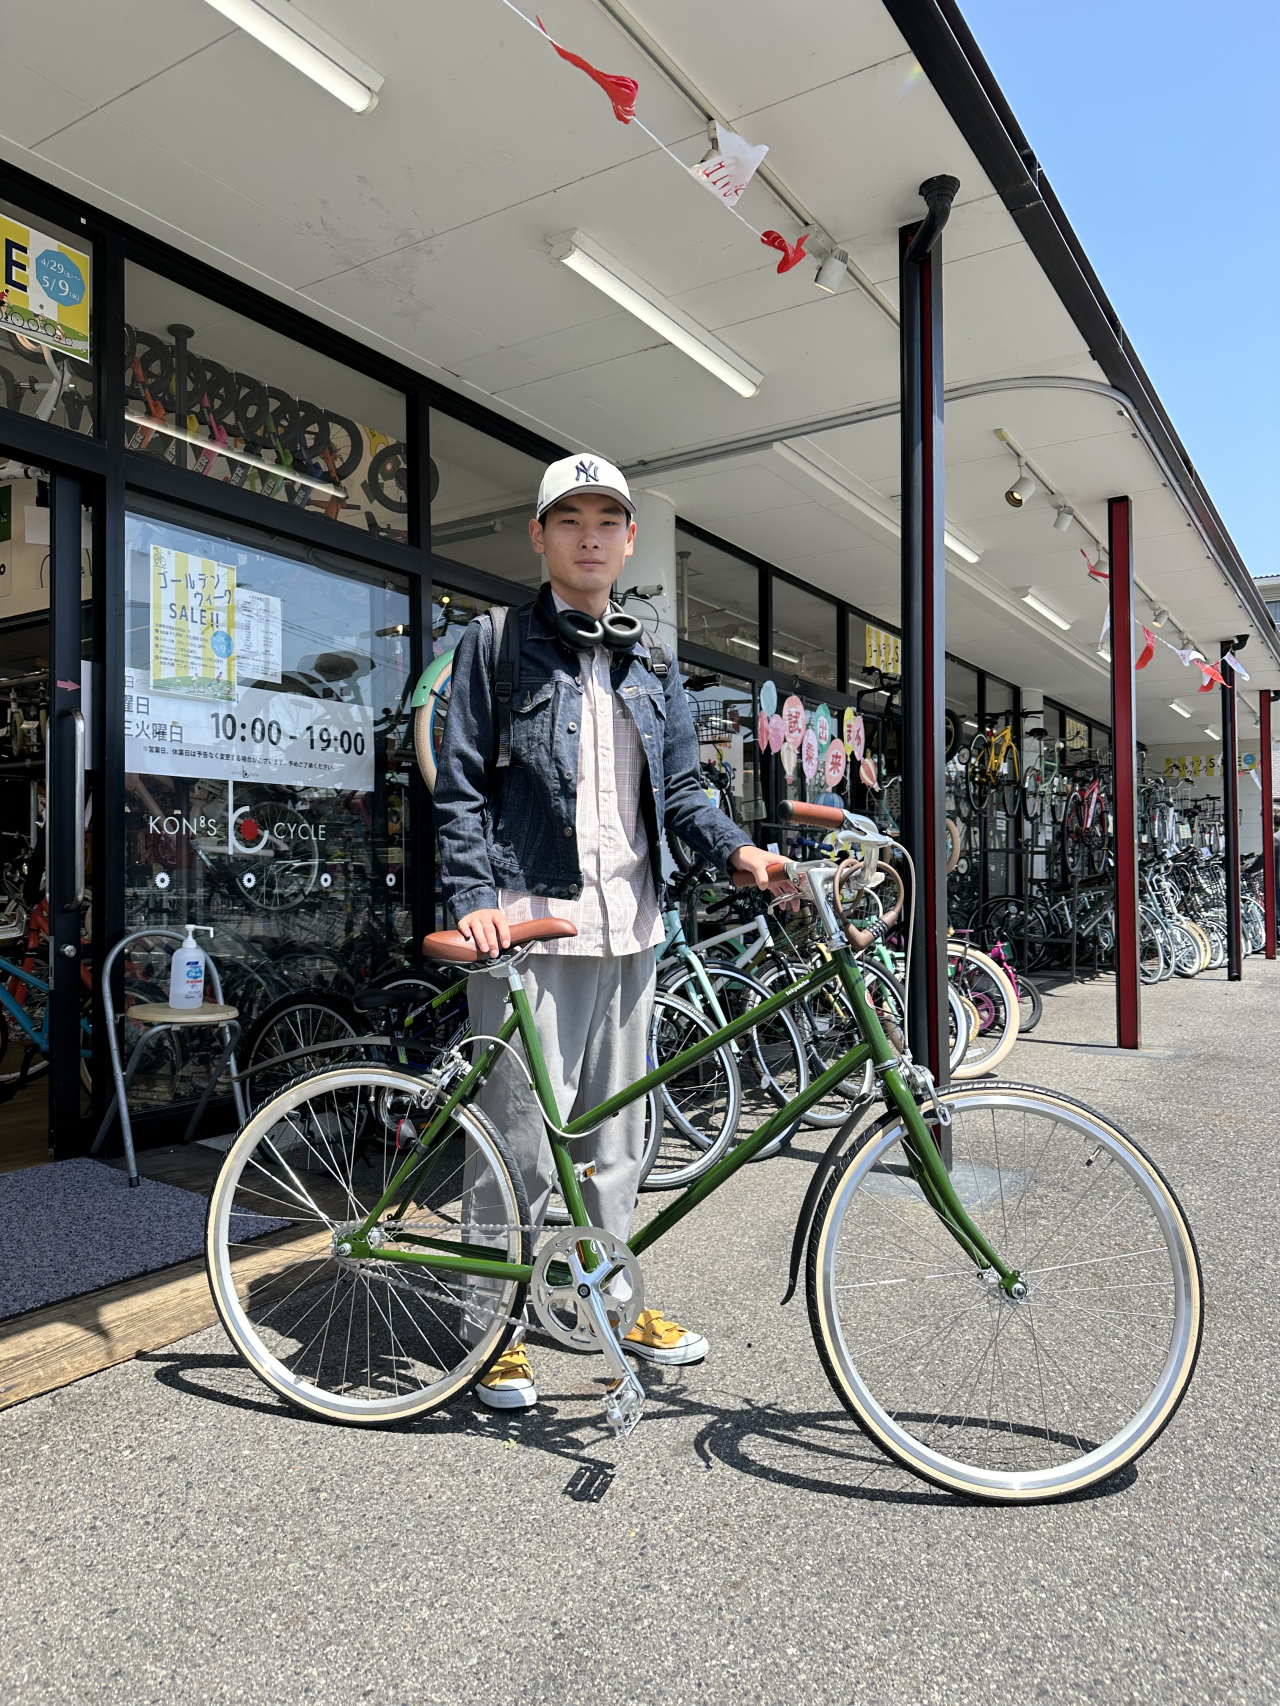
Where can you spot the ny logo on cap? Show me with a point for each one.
(588, 471)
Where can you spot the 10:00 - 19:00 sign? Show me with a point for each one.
(267, 732)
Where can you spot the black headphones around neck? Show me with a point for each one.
(615, 630)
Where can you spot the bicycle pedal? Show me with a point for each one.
(623, 1403)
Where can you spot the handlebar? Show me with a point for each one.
(817, 817)
(777, 872)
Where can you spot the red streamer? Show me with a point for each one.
(1148, 651)
(792, 253)
(622, 91)
(1211, 674)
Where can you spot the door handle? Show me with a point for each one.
(78, 812)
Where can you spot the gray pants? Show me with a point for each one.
(592, 1018)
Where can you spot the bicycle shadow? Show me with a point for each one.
(816, 1452)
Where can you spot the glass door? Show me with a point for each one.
(45, 805)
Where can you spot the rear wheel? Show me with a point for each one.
(363, 1340)
(1006, 1397)
(699, 1105)
(293, 1036)
(980, 982)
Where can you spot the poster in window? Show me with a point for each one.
(193, 626)
(44, 289)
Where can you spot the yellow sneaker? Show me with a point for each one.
(658, 1340)
(509, 1383)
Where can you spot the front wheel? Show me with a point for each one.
(367, 1340)
(1011, 1398)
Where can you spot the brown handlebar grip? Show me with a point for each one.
(817, 817)
(744, 879)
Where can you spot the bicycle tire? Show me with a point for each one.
(1030, 1005)
(977, 776)
(700, 1119)
(773, 1070)
(1009, 784)
(908, 1361)
(985, 979)
(1032, 794)
(294, 1023)
(350, 1114)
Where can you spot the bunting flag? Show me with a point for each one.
(622, 91)
(1230, 657)
(1096, 571)
(1106, 628)
(726, 174)
(1148, 650)
(792, 253)
(1211, 674)
(1191, 655)
(728, 171)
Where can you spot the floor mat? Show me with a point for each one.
(76, 1226)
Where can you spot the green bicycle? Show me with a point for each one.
(1003, 1290)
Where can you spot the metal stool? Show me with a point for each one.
(159, 1017)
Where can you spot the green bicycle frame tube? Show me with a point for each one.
(922, 1153)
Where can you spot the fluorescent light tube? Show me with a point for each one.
(629, 291)
(1213, 734)
(279, 25)
(1104, 654)
(1180, 709)
(278, 469)
(961, 550)
(1029, 596)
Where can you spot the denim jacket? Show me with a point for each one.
(515, 827)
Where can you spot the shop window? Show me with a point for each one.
(717, 598)
(804, 633)
(267, 759)
(210, 390)
(47, 341)
(483, 495)
(725, 713)
(962, 706)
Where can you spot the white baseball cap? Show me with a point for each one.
(583, 473)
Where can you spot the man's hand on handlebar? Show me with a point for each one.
(488, 929)
(761, 867)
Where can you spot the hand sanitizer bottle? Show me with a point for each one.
(186, 974)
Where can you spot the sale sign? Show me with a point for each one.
(809, 754)
(793, 721)
(44, 289)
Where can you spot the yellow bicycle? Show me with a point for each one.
(993, 769)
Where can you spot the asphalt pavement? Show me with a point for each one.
(172, 1533)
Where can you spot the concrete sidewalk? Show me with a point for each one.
(173, 1534)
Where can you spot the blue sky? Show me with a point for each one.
(1158, 127)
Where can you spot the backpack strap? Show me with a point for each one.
(506, 675)
(657, 656)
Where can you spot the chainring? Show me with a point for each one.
(559, 1304)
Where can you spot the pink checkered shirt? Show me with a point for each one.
(617, 911)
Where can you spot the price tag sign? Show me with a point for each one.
(44, 289)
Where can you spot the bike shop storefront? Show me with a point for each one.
(211, 572)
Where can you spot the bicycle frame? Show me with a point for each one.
(926, 1164)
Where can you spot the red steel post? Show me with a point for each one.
(1124, 759)
(1268, 831)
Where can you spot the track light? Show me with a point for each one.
(279, 25)
(1159, 616)
(1021, 489)
(1029, 595)
(1063, 519)
(1213, 734)
(832, 271)
(629, 291)
(1182, 710)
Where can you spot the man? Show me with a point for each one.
(560, 815)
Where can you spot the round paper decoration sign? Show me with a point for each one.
(835, 764)
(867, 771)
(789, 760)
(777, 733)
(768, 698)
(822, 725)
(793, 720)
(809, 754)
(847, 729)
(762, 731)
(859, 737)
